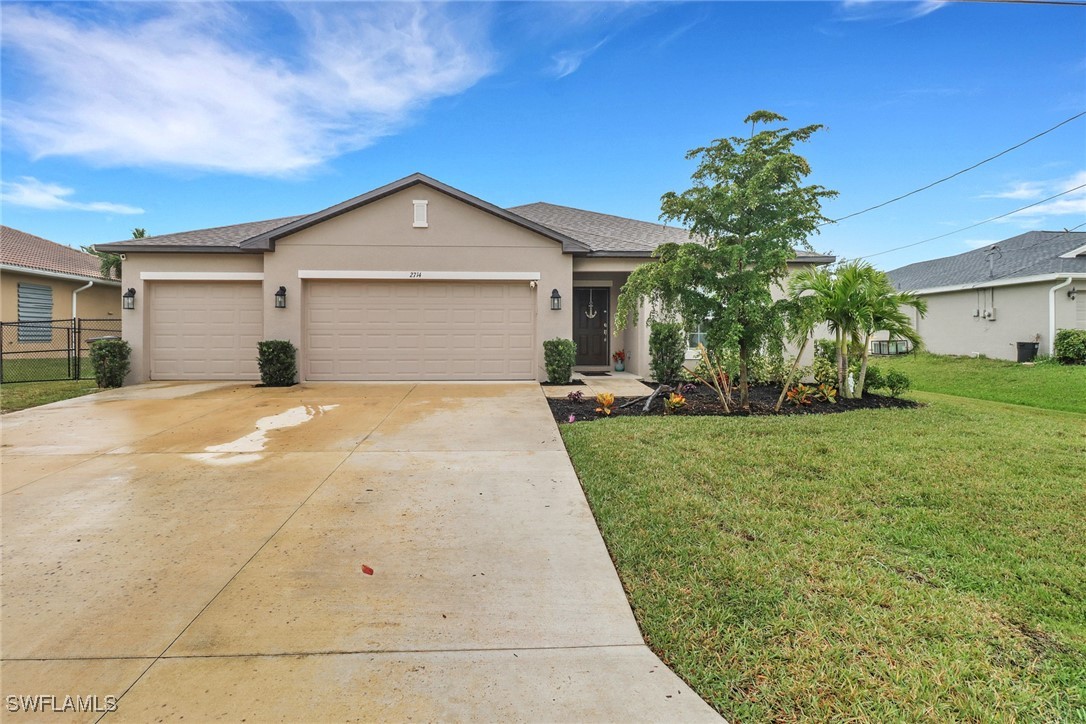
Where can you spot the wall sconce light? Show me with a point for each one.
(281, 298)
(1071, 293)
(128, 299)
(556, 301)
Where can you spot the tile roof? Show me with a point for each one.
(1031, 254)
(18, 248)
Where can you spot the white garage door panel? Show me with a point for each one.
(366, 330)
(205, 330)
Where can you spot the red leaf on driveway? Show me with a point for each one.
(367, 570)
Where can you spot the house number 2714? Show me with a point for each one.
(414, 275)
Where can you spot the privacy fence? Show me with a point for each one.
(52, 349)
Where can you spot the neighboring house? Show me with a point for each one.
(415, 280)
(42, 280)
(986, 301)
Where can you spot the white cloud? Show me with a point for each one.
(34, 194)
(568, 61)
(1025, 190)
(201, 85)
(894, 10)
(978, 243)
(1068, 204)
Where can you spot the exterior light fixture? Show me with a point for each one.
(1071, 293)
(281, 298)
(556, 301)
(128, 299)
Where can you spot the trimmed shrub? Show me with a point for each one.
(559, 356)
(1070, 346)
(826, 349)
(874, 379)
(111, 359)
(897, 382)
(667, 351)
(277, 361)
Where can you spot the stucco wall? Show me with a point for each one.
(379, 237)
(100, 301)
(956, 322)
(134, 321)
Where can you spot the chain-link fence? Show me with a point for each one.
(53, 349)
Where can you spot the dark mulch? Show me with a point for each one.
(562, 384)
(702, 401)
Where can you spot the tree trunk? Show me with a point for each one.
(842, 365)
(791, 374)
(744, 383)
(863, 368)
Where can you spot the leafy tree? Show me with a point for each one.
(856, 301)
(139, 233)
(747, 212)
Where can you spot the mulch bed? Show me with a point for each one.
(703, 402)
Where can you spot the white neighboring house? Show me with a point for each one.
(987, 301)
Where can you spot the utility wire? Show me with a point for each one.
(973, 226)
(959, 173)
(1062, 234)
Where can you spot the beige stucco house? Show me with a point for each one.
(415, 280)
(986, 301)
(41, 280)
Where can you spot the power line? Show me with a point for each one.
(958, 173)
(1078, 3)
(973, 226)
(1062, 234)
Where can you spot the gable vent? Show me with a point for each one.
(420, 221)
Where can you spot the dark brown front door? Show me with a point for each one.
(590, 325)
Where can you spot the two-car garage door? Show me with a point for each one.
(419, 330)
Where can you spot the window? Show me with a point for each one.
(695, 336)
(35, 305)
(892, 346)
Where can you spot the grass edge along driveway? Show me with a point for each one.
(882, 565)
(15, 396)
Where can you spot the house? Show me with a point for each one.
(415, 280)
(986, 301)
(43, 280)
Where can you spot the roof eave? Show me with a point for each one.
(19, 269)
(988, 283)
(125, 248)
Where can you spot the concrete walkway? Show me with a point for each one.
(203, 551)
(619, 384)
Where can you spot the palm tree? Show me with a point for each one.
(856, 301)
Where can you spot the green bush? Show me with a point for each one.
(559, 356)
(826, 349)
(277, 361)
(824, 371)
(874, 379)
(111, 359)
(667, 351)
(1070, 346)
(897, 382)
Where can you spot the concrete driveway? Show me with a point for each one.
(202, 551)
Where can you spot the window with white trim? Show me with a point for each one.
(696, 335)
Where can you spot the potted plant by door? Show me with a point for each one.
(620, 360)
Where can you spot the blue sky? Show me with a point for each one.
(190, 115)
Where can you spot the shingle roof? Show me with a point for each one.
(18, 248)
(219, 237)
(1031, 254)
(614, 235)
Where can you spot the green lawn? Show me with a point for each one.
(21, 395)
(1052, 386)
(886, 565)
(20, 368)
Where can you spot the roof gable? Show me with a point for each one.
(20, 249)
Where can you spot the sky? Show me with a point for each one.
(176, 116)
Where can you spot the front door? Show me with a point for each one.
(590, 325)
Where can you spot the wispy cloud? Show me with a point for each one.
(198, 85)
(887, 10)
(31, 193)
(568, 61)
(1024, 190)
(978, 243)
(1072, 203)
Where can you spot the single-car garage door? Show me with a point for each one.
(367, 330)
(205, 330)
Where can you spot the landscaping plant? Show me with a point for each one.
(606, 402)
(667, 351)
(710, 372)
(673, 403)
(826, 393)
(277, 359)
(747, 212)
(575, 396)
(897, 382)
(111, 360)
(801, 395)
(1070, 346)
(559, 356)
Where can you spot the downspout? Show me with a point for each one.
(1052, 313)
(88, 285)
